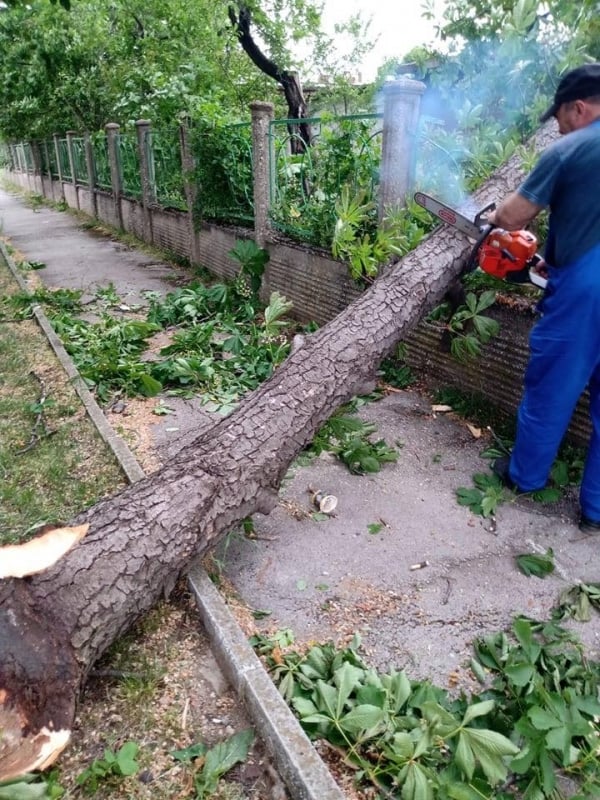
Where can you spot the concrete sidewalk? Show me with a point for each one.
(356, 571)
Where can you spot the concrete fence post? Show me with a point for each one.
(116, 182)
(401, 110)
(143, 129)
(47, 159)
(12, 165)
(90, 166)
(190, 189)
(36, 155)
(56, 140)
(70, 136)
(262, 114)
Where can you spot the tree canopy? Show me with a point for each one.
(80, 64)
(130, 59)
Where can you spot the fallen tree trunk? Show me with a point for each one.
(55, 624)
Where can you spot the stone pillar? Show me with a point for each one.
(47, 158)
(112, 141)
(190, 189)
(36, 155)
(56, 139)
(401, 110)
(91, 171)
(70, 135)
(147, 182)
(262, 114)
(13, 164)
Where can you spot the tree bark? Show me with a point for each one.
(55, 625)
(301, 136)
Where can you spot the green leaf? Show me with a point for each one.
(304, 707)
(24, 791)
(492, 741)
(417, 785)
(478, 710)
(536, 564)
(489, 502)
(478, 670)
(547, 495)
(329, 695)
(221, 758)
(372, 695)
(462, 791)
(470, 497)
(520, 674)
(464, 756)
(125, 758)
(400, 690)
(361, 718)
(488, 748)
(347, 678)
(486, 299)
(486, 328)
(150, 386)
(189, 753)
(559, 738)
(543, 720)
(375, 527)
(403, 746)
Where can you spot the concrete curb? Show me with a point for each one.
(303, 772)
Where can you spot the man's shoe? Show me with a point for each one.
(500, 468)
(589, 525)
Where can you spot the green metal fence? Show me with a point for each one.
(129, 159)
(99, 143)
(64, 161)
(22, 155)
(223, 173)
(305, 186)
(305, 183)
(79, 162)
(166, 167)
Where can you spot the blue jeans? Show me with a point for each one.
(564, 359)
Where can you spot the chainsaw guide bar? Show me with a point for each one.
(507, 255)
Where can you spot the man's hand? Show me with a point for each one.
(541, 268)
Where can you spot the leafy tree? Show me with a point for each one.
(130, 59)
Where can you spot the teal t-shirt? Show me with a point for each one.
(566, 180)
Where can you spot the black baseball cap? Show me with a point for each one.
(577, 84)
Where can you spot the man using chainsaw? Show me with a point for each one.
(565, 342)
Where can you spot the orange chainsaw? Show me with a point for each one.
(508, 255)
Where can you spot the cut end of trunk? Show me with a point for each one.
(37, 555)
(39, 682)
(21, 753)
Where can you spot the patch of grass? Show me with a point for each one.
(53, 463)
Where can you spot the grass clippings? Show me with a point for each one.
(160, 687)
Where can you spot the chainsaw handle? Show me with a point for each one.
(480, 220)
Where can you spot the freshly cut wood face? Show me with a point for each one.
(37, 555)
(22, 753)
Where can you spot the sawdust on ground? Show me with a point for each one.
(160, 687)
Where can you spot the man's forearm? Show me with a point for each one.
(514, 212)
